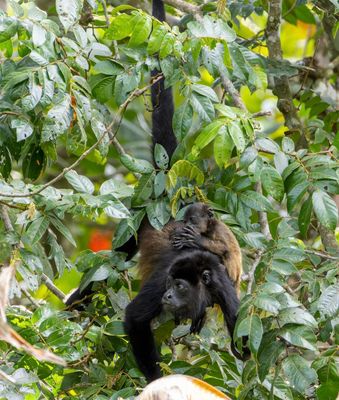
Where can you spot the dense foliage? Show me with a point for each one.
(74, 156)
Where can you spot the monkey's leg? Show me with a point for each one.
(139, 314)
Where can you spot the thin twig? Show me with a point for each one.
(185, 7)
(116, 122)
(322, 255)
(55, 290)
(230, 89)
(251, 272)
(30, 298)
(263, 221)
(261, 114)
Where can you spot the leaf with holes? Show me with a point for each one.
(69, 12)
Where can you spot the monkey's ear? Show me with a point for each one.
(206, 277)
(210, 213)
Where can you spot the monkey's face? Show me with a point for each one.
(198, 216)
(179, 297)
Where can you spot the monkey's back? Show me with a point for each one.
(156, 250)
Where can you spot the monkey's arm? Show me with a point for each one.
(139, 314)
(225, 295)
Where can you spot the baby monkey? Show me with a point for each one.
(201, 230)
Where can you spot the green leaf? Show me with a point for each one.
(156, 38)
(160, 156)
(304, 217)
(237, 136)
(166, 47)
(120, 27)
(97, 273)
(255, 333)
(141, 30)
(136, 165)
(203, 107)
(34, 162)
(23, 129)
(116, 188)
(109, 67)
(267, 145)
(267, 303)
(256, 201)
(79, 182)
(38, 35)
(182, 120)
(68, 12)
(206, 136)
(116, 209)
(283, 267)
(6, 162)
(36, 230)
(159, 183)
(143, 189)
(38, 58)
(58, 120)
(269, 352)
(300, 336)
(272, 183)
(205, 91)
(9, 28)
(63, 230)
(101, 133)
(211, 28)
(296, 315)
(223, 147)
(288, 145)
(296, 194)
(298, 372)
(280, 161)
(184, 168)
(328, 303)
(325, 209)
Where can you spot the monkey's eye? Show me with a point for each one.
(180, 286)
(210, 213)
(206, 277)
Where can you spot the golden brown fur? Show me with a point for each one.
(213, 236)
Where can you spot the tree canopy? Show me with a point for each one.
(256, 121)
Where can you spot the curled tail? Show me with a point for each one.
(162, 101)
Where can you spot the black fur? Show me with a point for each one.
(162, 101)
(188, 265)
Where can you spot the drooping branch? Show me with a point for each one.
(108, 131)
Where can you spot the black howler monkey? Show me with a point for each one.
(184, 282)
(202, 231)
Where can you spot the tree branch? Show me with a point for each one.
(281, 85)
(263, 221)
(230, 89)
(185, 7)
(55, 290)
(285, 100)
(251, 272)
(116, 122)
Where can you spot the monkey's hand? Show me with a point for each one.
(186, 237)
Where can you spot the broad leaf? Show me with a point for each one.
(325, 209)
(68, 12)
(299, 373)
(80, 182)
